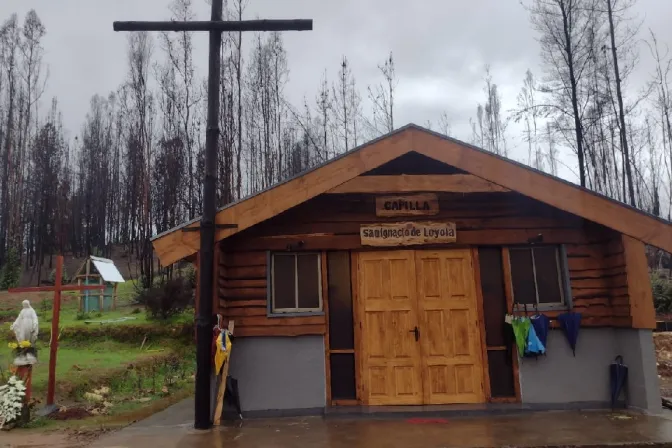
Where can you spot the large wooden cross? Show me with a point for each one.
(56, 313)
(204, 321)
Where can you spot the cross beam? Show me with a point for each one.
(204, 321)
(217, 25)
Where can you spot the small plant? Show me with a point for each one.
(82, 315)
(99, 314)
(167, 299)
(22, 348)
(45, 307)
(11, 400)
(136, 311)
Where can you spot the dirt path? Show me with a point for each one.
(53, 439)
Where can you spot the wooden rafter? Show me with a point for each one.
(176, 245)
(544, 188)
(449, 183)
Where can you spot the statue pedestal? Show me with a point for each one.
(26, 359)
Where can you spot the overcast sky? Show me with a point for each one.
(440, 46)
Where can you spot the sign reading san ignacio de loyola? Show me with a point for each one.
(407, 233)
(411, 205)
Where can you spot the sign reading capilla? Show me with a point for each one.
(412, 205)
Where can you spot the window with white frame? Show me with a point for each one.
(538, 276)
(296, 283)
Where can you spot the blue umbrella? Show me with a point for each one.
(570, 323)
(541, 324)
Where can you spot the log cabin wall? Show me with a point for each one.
(595, 256)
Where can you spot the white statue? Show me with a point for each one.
(25, 328)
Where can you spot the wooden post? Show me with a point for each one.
(101, 297)
(114, 296)
(80, 295)
(25, 373)
(53, 347)
(86, 281)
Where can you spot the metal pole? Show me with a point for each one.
(204, 320)
(53, 347)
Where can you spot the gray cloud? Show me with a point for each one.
(440, 47)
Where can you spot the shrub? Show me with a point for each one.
(64, 276)
(81, 315)
(168, 299)
(662, 293)
(10, 274)
(190, 275)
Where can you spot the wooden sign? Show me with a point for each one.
(407, 233)
(412, 205)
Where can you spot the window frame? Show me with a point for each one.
(563, 279)
(271, 311)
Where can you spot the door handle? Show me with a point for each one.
(416, 331)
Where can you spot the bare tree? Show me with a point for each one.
(324, 105)
(444, 124)
(662, 103)
(563, 26)
(530, 115)
(490, 126)
(382, 97)
(9, 42)
(615, 8)
(140, 106)
(342, 108)
(182, 96)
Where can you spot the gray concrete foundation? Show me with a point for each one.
(278, 373)
(562, 377)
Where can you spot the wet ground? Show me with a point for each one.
(170, 429)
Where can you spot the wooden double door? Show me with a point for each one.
(420, 339)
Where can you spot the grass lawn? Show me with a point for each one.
(82, 363)
(79, 363)
(138, 381)
(10, 305)
(71, 317)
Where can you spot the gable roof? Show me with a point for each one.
(175, 244)
(105, 267)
